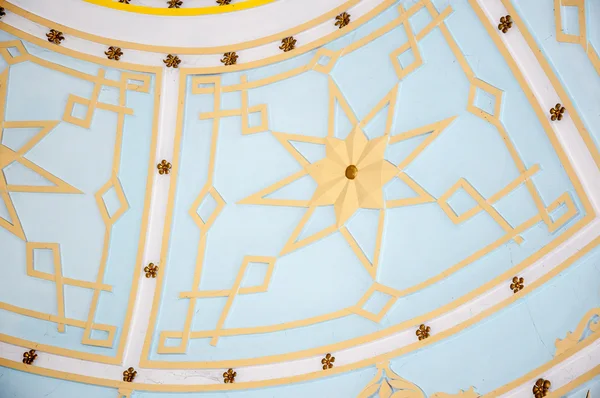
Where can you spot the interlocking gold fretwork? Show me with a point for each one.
(109, 217)
(332, 182)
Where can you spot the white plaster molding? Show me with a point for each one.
(158, 208)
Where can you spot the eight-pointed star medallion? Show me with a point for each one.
(352, 175)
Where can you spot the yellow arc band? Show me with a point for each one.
(178, 12)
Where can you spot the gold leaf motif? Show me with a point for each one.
(386, 381)
(385, 391)
(373, 385)
(572, 338)
(470, 393)
(401, 384)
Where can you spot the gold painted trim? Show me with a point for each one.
(180, 12)
(188, 50)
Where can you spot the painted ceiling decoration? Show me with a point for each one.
(274, 198)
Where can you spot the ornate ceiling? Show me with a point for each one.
(280, 198)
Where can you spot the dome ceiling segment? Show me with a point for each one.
(408, 202)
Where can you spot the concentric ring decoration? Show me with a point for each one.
(191, 11)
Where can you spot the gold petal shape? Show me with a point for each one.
(374, 152)
(356, 143)
(325, 170)
(328, 193)
(347, 203)
(336, 151)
